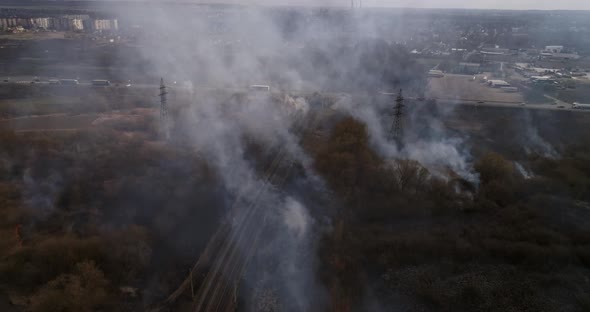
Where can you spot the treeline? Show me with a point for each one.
(99, 220)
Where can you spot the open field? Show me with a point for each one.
(122, 120)
(49, 122)
(464, 88)
(37, 106)
(30, 35)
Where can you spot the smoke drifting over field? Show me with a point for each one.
(41, 195)
(425, 138)
(237, 47)
(304, 198)
(533, 142)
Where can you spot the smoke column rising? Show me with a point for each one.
(232, 48)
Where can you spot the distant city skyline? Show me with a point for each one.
(460, 4)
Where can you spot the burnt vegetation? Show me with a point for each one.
(98, 220)
(512, 244)
(79, 230)
(111, 217)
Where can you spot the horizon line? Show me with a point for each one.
(230, 3)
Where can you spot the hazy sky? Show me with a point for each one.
(479, 4)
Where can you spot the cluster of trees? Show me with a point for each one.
(421, 243)
(98, 220)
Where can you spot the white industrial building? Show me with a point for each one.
(41, 22)
(565, 56)
(559, 52)
(498, 83)
(509, 89)
(100, 25)
(554, 49)
(77, 25)
(61, 23)
(435, 73)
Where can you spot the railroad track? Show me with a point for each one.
(222, 264)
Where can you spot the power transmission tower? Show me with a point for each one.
(398, 118)
(353, 5)
(164, 108)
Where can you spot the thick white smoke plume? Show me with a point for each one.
(445, 153)
(532, 142)
(522, 170)
(221, 53)
(296, 218)
(435, 150)
(211, 48)
(290, 257)
(536, 144)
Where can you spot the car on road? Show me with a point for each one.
(523, 104)
(561, 106)
(481, 102)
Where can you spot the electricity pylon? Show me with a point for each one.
(164, 109)
(397, 130)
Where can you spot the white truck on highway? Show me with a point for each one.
(101, 83)
(580, 106)
(69, 82)
(263, 88)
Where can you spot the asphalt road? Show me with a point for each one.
(557, 106)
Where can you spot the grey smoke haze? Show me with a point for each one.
(446, 4)
(535, 143)
(236, 48)
(219, 49)
(41, 194)
(436, 150)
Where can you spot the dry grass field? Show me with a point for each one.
(462, 87)
(48, 122)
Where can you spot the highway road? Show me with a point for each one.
(557, 104)
(554, 107)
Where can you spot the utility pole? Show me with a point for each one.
(398, 118)
(164, 108)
